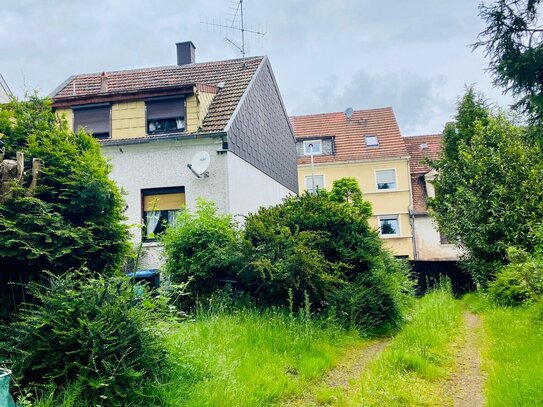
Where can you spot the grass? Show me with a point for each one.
(247, 358)
(408, 372)
(513, 353)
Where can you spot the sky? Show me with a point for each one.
(414, 56)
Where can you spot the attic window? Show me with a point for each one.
(313, 147)
(424, 146)
(165, 115)
(94, 119)
(372, 141)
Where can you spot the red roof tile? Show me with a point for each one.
(421, 147)
(236, 75)
(349, 134)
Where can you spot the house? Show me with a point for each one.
(215, 130)
(366, 145)
(429, 244)
(5, 93)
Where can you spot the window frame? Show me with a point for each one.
(368, 136)
(306, 177)
(306, 143)
(98, 136)
(381, 170)
(382, 218)
(153, 192)
(164, 98)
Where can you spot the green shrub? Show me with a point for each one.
(508, 289)
(92, 334)
(204, 248)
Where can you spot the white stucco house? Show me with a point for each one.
(428, 243)
(226, 117)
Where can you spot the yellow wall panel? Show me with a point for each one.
(68, 115)
(128, 120)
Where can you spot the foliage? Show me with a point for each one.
(73, 218)
(321, 245)
(489, 189)
(204, 248)
(91, 334)
(513, 41)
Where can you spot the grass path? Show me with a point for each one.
(467, 382)
(337, 382)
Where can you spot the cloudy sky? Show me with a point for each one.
(327, 55)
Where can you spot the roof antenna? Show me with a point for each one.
(237, 25)
(349, 113)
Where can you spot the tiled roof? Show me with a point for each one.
(349, 134)
(421, 147)
(236, 75)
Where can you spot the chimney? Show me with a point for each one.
(103, 82)
(185, 53)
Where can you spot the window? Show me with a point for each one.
(313, 146)
(319, 183)
(160, 207)
(389, 225)
(372, 141)
(443, 239)
(386, 179)
(165, 115)
(94, 119)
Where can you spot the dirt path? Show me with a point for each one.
(351, 368)
(466, 384)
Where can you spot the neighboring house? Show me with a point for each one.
(429, 244)
(366, 145)
(5, 93)
(225, 117)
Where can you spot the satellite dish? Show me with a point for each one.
(349, 113)
(200, 163)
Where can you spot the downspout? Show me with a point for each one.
(412, 213)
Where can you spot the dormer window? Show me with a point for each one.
(165, 115)
(313, 147)
(372, 141)
(94, 119)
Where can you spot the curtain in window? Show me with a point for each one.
(153, 218)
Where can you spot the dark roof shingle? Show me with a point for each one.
(235, 74)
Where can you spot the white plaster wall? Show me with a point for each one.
(249, 188)
(164, 164)
(428, 241)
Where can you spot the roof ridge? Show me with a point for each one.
(166, 67)
(423, 135)
(333, 113)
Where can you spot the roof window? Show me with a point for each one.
(372, 141)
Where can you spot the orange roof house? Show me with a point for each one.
(366, 145)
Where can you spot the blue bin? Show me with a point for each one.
(5, 398)
(150, 277)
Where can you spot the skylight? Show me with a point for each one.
(372, 141)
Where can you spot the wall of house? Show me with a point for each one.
(260, 131)
(128, 120)
(160, 164)
(384, 202)
(197, 107)
(249, 188)
(428, 245)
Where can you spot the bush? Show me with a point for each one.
(508, 289)
(203, 248)
(87, 333)
(375, 302)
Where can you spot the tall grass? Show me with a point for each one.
(514, 357)
(246, 358)
(408, 372)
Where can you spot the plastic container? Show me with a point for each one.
(5, 398)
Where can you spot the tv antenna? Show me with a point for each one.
(239, 27)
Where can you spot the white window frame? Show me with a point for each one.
(307, 143)
(377, 180)
(389, 217)
(307, 177)
(371, 136)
